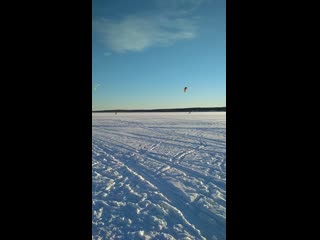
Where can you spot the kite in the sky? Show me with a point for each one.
(185, 89)
(95, 87)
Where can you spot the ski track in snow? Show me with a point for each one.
(158, 176)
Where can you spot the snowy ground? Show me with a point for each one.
(159, 176)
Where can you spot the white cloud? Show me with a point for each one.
(188, 5)
(136, 33)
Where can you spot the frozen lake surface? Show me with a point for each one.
(159, 175)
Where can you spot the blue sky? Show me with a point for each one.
(144, 52)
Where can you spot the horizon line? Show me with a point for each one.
(161, 109)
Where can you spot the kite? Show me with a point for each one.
(95, 87)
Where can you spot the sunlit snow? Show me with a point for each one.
(159, 175)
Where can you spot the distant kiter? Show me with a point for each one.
(185, 89)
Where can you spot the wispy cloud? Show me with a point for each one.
(136, 33)
(171, 21)
(180, 6)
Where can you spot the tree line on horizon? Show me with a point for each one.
(210, 109)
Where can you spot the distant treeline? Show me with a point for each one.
(213, 109)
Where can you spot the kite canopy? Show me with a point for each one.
(95, 87)
(185, 89)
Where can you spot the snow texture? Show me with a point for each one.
(159, 176)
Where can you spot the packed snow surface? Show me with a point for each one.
(159, 176)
